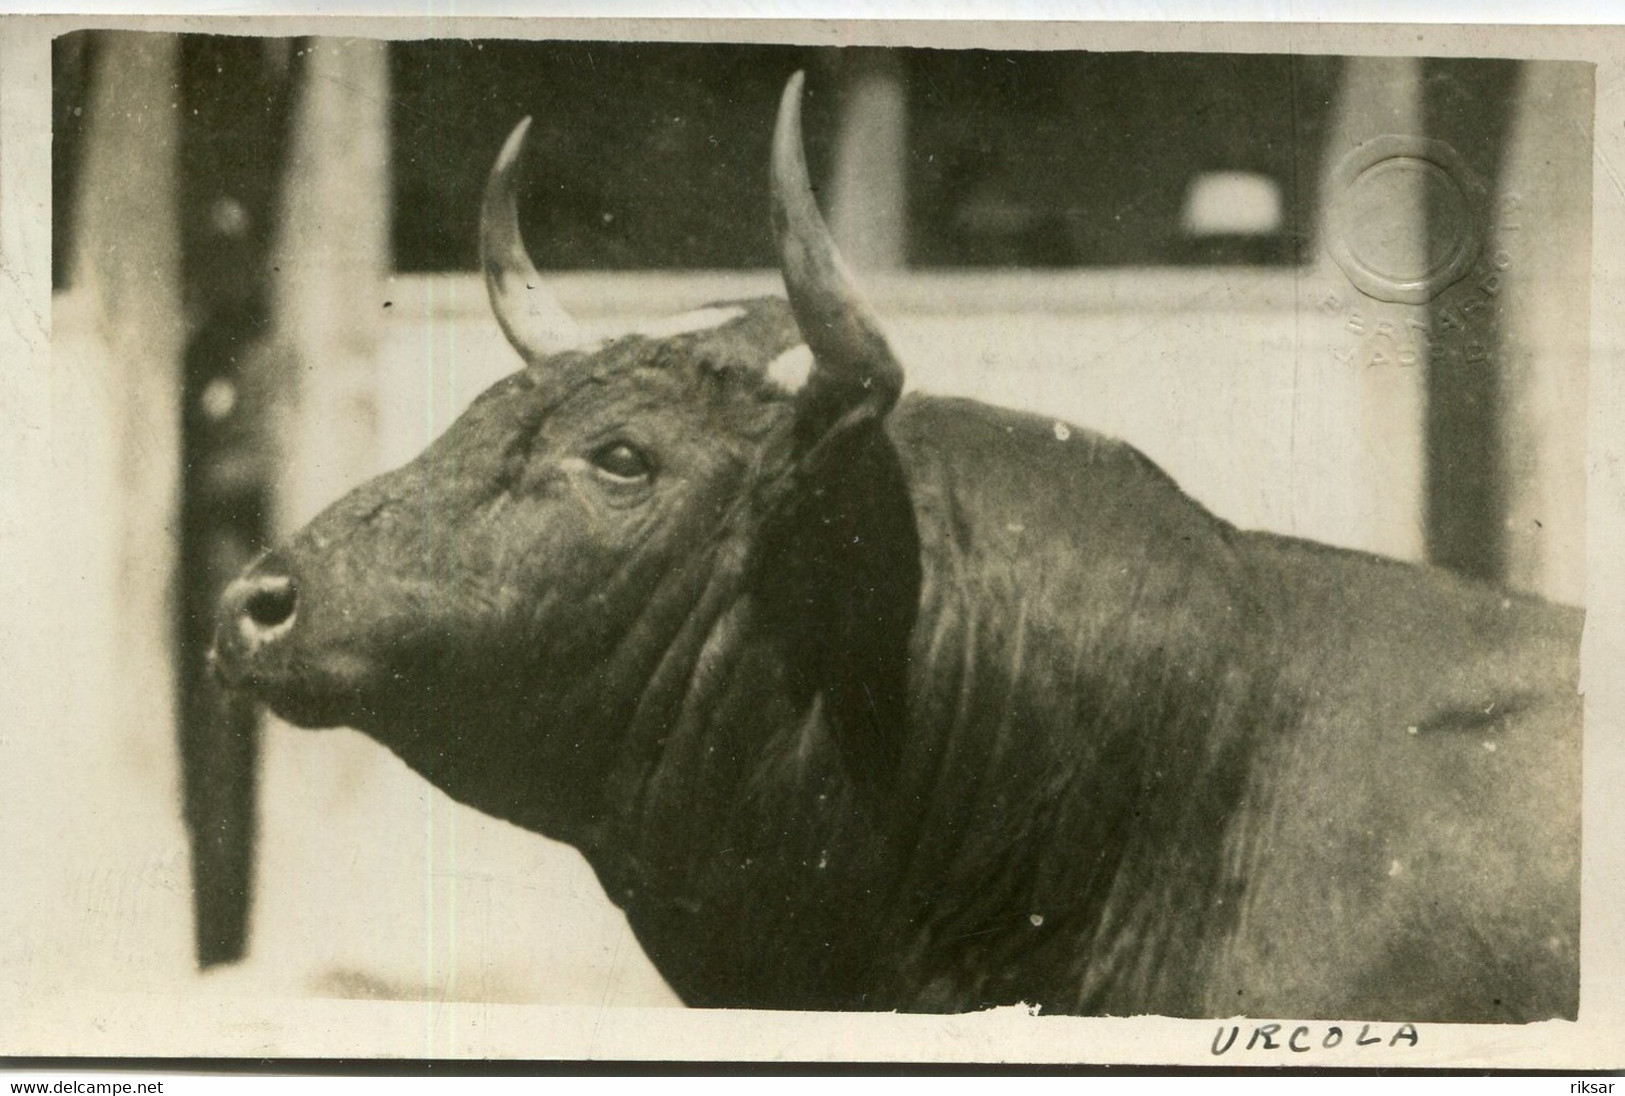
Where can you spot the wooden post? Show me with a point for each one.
(127, 265)
(1374, 336)
(1543, 239)
(869, 197)
(332, 259)
(235, 93)
(1466, 108)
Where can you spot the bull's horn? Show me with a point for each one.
(853, 364)
(534, 322)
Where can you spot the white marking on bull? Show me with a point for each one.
(791, 369)
(701, 319)
(1062, 431)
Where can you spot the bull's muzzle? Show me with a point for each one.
(256, 611)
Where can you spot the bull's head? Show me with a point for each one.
(570, 557)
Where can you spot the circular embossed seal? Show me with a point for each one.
(1402, 218)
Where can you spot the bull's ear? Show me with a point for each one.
(855, 377)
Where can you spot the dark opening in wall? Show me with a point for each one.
(1099, 159)
(640, 155)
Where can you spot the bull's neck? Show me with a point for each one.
(1038, 800)
(735, 789)
(1079, 754)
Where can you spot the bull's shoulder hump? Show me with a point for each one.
(982, 473)
(943, 423)
(994, 447)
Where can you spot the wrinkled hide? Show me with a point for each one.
(934, 707)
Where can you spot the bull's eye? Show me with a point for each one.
(620, 461)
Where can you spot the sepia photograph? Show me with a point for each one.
(571, 539)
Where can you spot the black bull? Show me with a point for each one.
(861, 703)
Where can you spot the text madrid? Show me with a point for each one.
(1301, 1039)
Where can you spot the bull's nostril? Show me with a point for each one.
(272, 603)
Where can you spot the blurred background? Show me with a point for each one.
(1340, 298)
